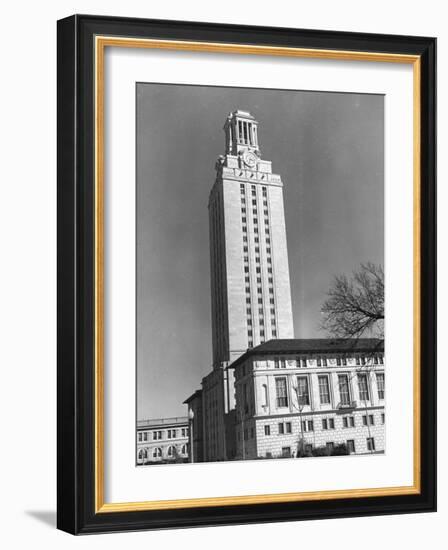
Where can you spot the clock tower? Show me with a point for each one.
(251, 295)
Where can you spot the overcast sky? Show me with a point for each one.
(329, 150)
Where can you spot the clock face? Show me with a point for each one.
(250, 159)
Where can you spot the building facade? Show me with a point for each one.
(162, 440)
(295, 396)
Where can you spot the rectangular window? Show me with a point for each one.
(307, 425)
(380, 384)
(345, 421)
(352, 421)
(383, 418)
(274, 333)
(368, 420)
(145, 436)
(303, 394)
(370, 444)
(281, 428)
(344, 390)
(267, 430)
(351, 446)
(139, 436)
(324, 390)
(281, 391)
(324, 424)
(288, 427)
(331, 423)
(363, 387)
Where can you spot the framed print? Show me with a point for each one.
(246, 274)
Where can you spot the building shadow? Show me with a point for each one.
(48, 517)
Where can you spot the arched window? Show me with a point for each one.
(157, 452)
(184, 449)
(170, 451)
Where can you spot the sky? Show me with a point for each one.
(329, 151)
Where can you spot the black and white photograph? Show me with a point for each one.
(260, 274)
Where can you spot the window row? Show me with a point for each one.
(171, 452)
(350, 444)
(324, 424)
(328, 362)
(162, 434)
(344, 384)
(253, 188)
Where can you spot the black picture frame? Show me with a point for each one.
(76, 480)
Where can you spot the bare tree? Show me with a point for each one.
(355, 306)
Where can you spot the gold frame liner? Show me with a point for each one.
(101, 42)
